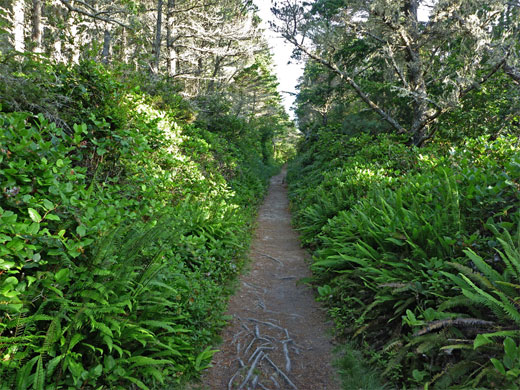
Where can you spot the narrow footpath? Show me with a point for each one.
(277, 338)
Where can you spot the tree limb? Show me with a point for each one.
(345, 77)
(95, 15)
(512, 72)
(440, 111)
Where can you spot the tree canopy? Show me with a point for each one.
(409, 70)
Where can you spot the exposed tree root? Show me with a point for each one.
(257, 370)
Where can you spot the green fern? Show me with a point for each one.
(39, 375)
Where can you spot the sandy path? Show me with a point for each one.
(277, 337)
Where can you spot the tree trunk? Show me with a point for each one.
(54, 46)
(172, 55)
(135, 57)
(216, 69)
(200, 66)
(77, 41)
(125, 46)
(18, 25)
(107, 41)
(415, 73)
(158, 38)
(37, 27)
(57, 52)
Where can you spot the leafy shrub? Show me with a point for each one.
(118, 238)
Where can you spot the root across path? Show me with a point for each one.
(277, 338)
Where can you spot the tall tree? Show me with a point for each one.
(19, 25)
(158, 37)
(171, 60)
(37, 26)
(430, 63)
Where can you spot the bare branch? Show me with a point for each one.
(345, 77)
(94, 14)
(512, 72)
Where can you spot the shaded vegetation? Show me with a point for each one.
(416, 253)
(354, 370)
(406, 187)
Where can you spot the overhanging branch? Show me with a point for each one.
(345, 77)
(94, 14)
(512, 72)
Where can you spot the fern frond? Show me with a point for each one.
(452, 374)
(510, 308)
(24, 374)
(396, 360)
(53, 334)
(484, 267)
(503, 333)
(142, 361)
(20, 324)
(393, 345)
(428, 345)
(428, 340)
(39, 375)
(24, 321)
(460, 322)
(456, 346)
(511, 285)
(511, 257)
(482, 280)
(158, 324)
(458, 301)
(505, 305)
(488, 298)
(22, 340)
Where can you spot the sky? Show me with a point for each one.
(288, 74)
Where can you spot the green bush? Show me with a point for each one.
(118, 237)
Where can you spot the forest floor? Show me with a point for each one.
(277, 336)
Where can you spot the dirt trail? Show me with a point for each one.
(277, 337)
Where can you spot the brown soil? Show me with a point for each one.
(277, 336)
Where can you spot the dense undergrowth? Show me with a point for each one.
(417, 253)
(121, 226)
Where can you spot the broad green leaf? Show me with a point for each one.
(81, 230)
(53, 363)
(75, 340)
(62, 275)
(53, 217)
(481, 340)
(76, 368)
(499, 366)
(510, 347)
(48, 204)
(34, 215)
(34, 228)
